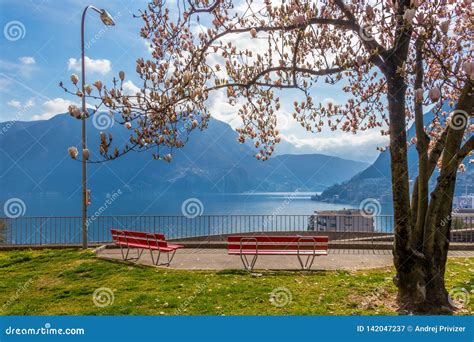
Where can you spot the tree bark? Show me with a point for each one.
(421, 271)
(405, 263)
(438, 222)
(420, 188)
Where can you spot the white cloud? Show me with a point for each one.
(15, 69)
(14, 104)
(284, 122)
(99, 66)
(361, 146)
(21, 109)
(53, 107)
(129, 88)
(327, 101)
(147, 45)
(220, 109)
(27, 60)
(19, 105)
(30, 103)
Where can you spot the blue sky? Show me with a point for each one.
(40, 46)
(45, 49)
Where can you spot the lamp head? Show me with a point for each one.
(106, 18)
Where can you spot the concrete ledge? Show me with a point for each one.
(196, 244)
(50, 246)
(332, 245)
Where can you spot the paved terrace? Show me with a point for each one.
(217, 259)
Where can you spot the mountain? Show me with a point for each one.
(35, 162)
(375, 181)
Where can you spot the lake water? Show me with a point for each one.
(273, 203)
(279, 203)
(175, 216)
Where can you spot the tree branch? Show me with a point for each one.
(465, 149)
(370, 45)
(420, 190)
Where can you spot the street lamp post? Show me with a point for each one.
(107, 20)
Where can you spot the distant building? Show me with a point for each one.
(463, 202)
(346, 220)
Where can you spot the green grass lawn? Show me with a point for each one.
(62, 282)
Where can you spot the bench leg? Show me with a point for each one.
(157, 263)
(247, 264)
(151, 254)
(121, 251)
(126, 258)
(172, 256)
(157, 259)
(308, 263)
(126, 255)
(139, 252)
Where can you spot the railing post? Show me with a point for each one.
(41, 231)
(374, 220)
(209, 226)
(25, 230)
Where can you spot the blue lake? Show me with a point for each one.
(117, 203)
(279, 203)
(175, 216)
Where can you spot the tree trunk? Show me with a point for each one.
(438, 218)
(408, 270)
(421, 270)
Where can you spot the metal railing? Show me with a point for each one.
(67, 229)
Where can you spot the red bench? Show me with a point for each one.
(302, 246)
(128, 239)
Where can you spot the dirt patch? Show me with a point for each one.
(380, 298)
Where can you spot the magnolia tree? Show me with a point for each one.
(390, 57)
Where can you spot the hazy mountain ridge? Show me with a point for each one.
(35, 162)
(375, 181)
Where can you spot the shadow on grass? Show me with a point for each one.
(279, 272)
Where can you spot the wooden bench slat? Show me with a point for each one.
(135, 233)
(137, 245)
(142, 240)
